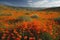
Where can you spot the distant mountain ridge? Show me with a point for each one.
(28, 8)
(32, 8)
(52, 9)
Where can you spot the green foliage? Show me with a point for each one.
(45, 36)
(1, 34)
(56, 19)
(35, 16)
(56, 29)
(2, 25)
(27, 13)
(58, 37)
(24, 18)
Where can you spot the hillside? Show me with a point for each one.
(31, 8)
(24, 23)
(52, 9)
(13, 13)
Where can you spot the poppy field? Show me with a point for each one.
(24, 24)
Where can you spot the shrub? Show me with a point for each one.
(2, 26)
(27, 13)
(35, 16)
(57, 20)
(24, 18)
(57, 37)
(45, 36)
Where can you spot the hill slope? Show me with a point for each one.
(52, 9)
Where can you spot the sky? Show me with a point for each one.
(31, 3)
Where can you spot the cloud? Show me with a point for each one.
(52, 4)
(13, 4)
(32, 3)
(46, 3)
(17, 3)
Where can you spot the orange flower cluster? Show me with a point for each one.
(39, 26)
(26, 27)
